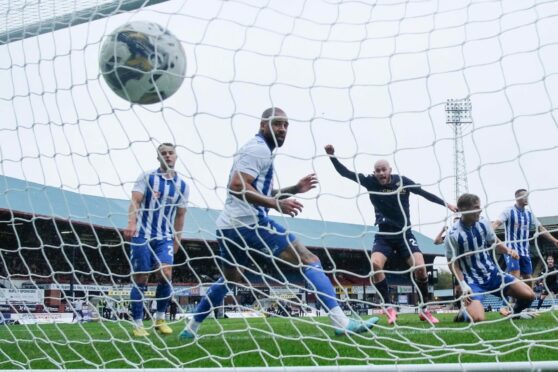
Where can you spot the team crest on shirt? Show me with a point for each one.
(156, 194)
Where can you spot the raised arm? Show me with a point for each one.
(340, 168)
(241, 187)
(441, 235)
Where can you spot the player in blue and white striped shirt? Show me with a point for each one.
(469, 249)
(518, 223)
(245, 231)
(155, 223)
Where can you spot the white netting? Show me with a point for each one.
(370, 78)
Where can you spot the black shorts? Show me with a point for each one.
(400, 245)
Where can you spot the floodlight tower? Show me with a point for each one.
(458, 115)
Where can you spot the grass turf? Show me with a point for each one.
(278, 342)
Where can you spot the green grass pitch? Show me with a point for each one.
(278, 342)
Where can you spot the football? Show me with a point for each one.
(142, 62)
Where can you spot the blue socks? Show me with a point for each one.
(315, 275)
(214, 297)
(162, 294)
(136, 295)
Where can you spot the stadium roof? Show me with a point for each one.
(36, 199)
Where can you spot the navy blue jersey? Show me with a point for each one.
(390, 201)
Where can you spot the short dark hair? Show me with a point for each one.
(518, 191)
(466, 201)
(271, 112)
(167, 144)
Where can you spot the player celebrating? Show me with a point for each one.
(155, 223)
(389, 194)
(550, 284)
(518, 221)
(245, 229)
(469, 244)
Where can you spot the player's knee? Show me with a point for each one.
(377, 264)
(421, 275)
(478, 317)
(310, 258)
(531, 295)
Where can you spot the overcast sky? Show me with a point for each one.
(371, 79)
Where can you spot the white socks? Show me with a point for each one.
(338, 317)
(138, 323)
(193, 326)
(159, 315)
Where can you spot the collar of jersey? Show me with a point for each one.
(162, 174)
(262, 137)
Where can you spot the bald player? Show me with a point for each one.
(389, 194)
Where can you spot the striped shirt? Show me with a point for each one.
(255, 158)
(517, 225)
(478, 267)
(162, 197)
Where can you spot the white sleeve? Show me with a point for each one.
(490, 235)
(504, 216)
(535, 220)
(141, 184)
(451, 246)
(252, 160)
(185, 196)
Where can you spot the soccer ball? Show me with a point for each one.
(142, 62)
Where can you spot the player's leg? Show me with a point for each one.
(512, 268)
(541, 299)
(381, 252)
(164, 251)
(233, 247)
(521, 292)
(526, 270)
(141, 259)
(296, 253)
(475, 311)
(416, 261)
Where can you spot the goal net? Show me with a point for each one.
(373, 79)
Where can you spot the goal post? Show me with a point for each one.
(370, 78)
(26, 19)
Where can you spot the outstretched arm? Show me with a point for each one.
(340, 168)
(416, 189)
(306, 183)
(548, 236)
(441, 235)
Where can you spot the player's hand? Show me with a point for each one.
(130, 231)
(307, 183)
(452, 207)
(466, 292)
(291, 207)
(513, 254)
(329, 149)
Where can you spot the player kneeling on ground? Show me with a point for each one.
(469, 245)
